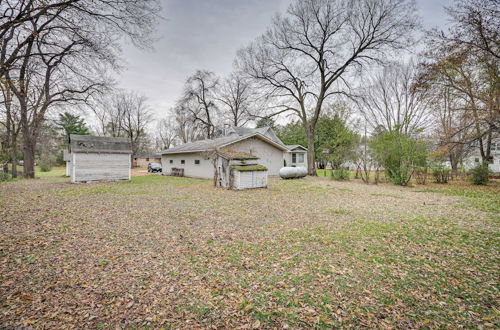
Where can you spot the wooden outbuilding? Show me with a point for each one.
(97, 158)
(238, 170)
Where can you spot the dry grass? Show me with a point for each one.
(179, 253)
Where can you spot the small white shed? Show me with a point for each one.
(238, 170)
(97, 158)
(67, 159)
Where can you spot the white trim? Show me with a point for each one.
(297, 146)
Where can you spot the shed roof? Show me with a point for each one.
(99, 144)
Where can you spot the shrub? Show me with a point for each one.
(421, 174)
(4, 176)
(479, 174)
(340, 174)
(45, 168)
(399, 154)
(441, 174)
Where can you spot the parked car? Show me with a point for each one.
(154, 167)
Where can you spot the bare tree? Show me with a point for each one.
(236, 97)
(15, 31)
(392, 100)
(476, 26)
(10, 119)
(166, 133)
(52, 77)
(58, 52)
(464, 61)
(186, 129)
(453, 130)
(107, 115)
(199, 100)
(134, 118)
(309, 54)
(133, 18)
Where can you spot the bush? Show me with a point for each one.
(421, 174)
(45, 168)
(340, 174)
(441, 174)
(399, 154)
(4, 176)
(480, 174)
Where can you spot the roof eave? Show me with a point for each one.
(262, 137)
(184, 151)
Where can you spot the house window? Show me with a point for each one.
(491, 161)
(197, 162)
(183, 161)
(476, 160)
(297, 158)
(171, 161)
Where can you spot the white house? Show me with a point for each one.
(97, 158)
(196, 159)
(474, 157)
(296, 156)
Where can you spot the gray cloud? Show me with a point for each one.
(205, 34)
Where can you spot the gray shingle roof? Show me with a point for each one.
(294, 146)
(245, 130)
(202, 145)
(101, 144)
(209, 145)
(266, 131)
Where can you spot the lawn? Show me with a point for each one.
(178, 253)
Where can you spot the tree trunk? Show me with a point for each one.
(29, 156)
(14, 164)
(454, 166)
(311, 164)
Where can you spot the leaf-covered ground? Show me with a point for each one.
(178, 253)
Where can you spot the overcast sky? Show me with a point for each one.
(205, 34)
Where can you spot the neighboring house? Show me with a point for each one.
(142, 159)
(97, 158)
(296, 156)
(196, 159)
(475, 159)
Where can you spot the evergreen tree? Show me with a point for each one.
(71, 124)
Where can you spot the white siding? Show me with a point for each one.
(288, 158)
(205, 170)
(269, 156)
(99, 167)
(68, 168)
(250, 179)
(470, 162)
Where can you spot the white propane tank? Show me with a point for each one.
(293, 172)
